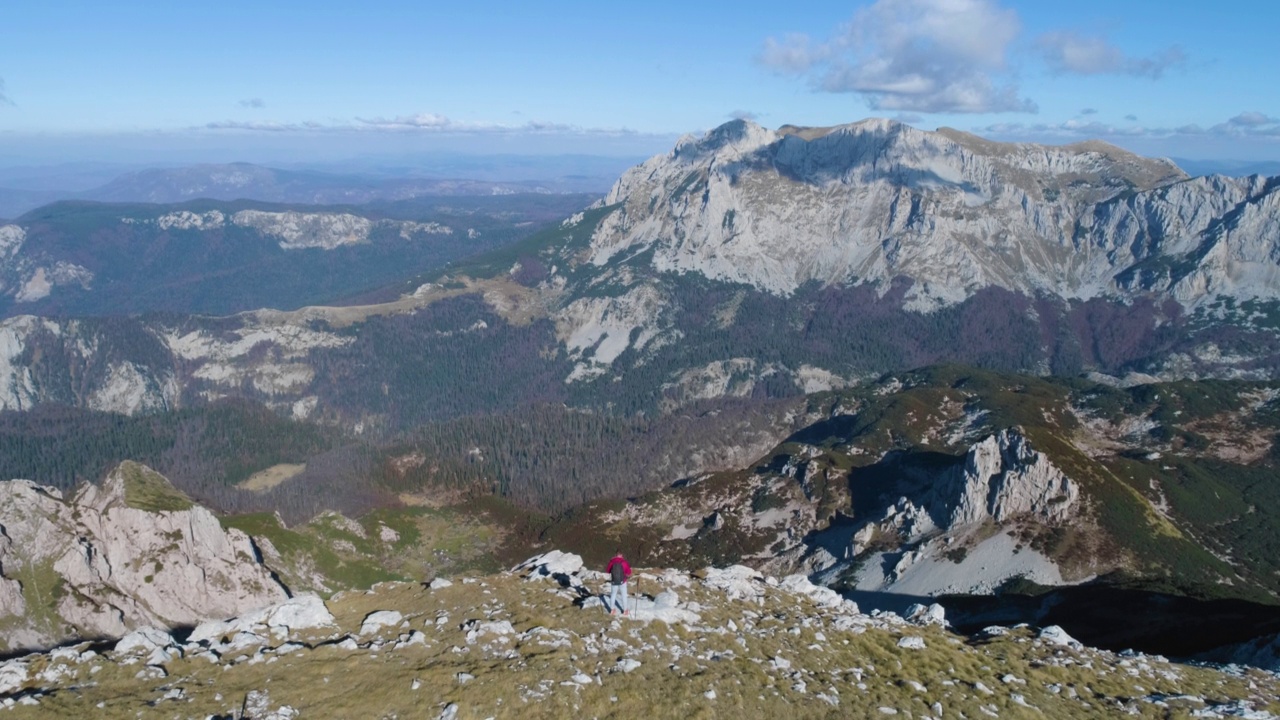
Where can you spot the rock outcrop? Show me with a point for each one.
(951, 532)
(1002, 479)
(134, 552)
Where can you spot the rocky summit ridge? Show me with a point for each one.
(875, 200)
(535, 642)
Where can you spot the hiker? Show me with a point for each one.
(619, 572)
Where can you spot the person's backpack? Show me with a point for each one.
(617, 573)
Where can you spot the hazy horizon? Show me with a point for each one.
(144, 83)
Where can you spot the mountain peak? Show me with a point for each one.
(873, 200)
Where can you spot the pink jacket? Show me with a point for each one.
(619, 560)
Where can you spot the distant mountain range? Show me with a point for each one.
(1230, 168)
(24, 189)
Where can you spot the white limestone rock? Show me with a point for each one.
(1057, 636)
(555, 563)
(131, 553)
(13, 675)
(302, 612)
(823, 596)
(932, 614)
(738, 582)
(144, 640)
(375, 621)
(298, 230)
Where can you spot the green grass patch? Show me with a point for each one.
(146, 489)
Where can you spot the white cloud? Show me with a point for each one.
(432, 122)
(920, 56)
(1244, 125)
(794, 53)
(267, 126)
(419, 123)
(744, 115)
(255, 103)
(1068, 52)
(1252, 119)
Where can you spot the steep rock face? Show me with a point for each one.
(84, 363)
(874, 200)
(134, 552)
(1002, 479)
(950, 533)
(31, 277)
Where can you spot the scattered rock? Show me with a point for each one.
(375, 621)
(387, 535)
(911, 642)
(933, 614)
(13, 675)
(551, 564)
(823, 596)
(1058, 636)
(738, 582)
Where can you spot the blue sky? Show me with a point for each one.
(283, 80)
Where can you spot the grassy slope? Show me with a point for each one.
(861, 669)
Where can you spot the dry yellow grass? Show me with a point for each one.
(779, 656)
(266, 479)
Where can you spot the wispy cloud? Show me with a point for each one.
(912, 56)
(1244, 125)
(1089, 111)
(744, 115)
(1068, 52)
(268, 126)
(419, 123)
(1252, 120)
(255, 103)
(4, 98)
(432, 122)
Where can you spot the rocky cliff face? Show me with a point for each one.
(1001, 480)
(947, 534)
(134, 552)
(875, 200)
